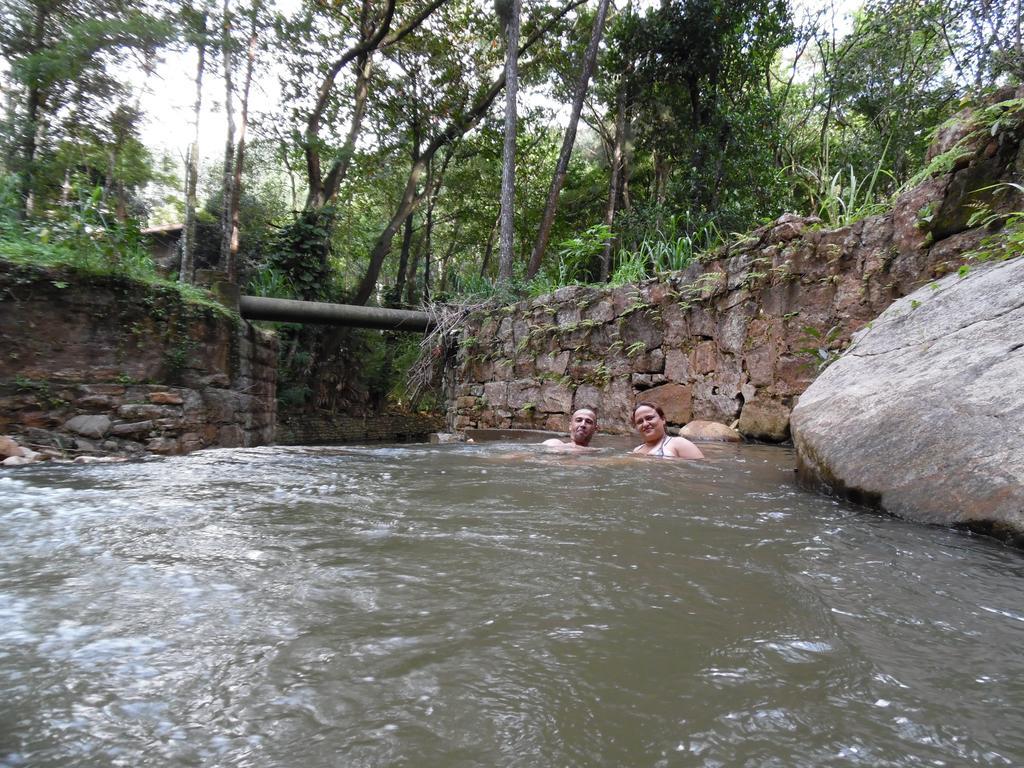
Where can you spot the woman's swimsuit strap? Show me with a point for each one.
(661, 445)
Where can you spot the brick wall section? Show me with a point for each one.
(391, 428)
(92, 365)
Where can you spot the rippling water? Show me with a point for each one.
(492, 605)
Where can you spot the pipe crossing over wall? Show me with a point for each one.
(291, 311)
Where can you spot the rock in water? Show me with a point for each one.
(924, 415)
(9, 447)
(711, 431)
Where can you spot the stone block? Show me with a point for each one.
(641, 326)
(793, 374)
(139, 412)
(737, 269)
(676, 400)
(677, 366)
(165, 398)
(765, 419)
(96, 402)
(702, 322)
(89, 426)
(554, 398)
(732, 328)
(522, 392)
(221, 405)
(710, 431)
(568, 315)
(643, 381)
(553, 363)
(230, 436)
(674, 321)
(648, 361)
(101, 390)
(713, 402)
(162, 445)
(705, 357)
(554, 423)
(600, 311)
(495, 394)
(760, 364)
(132, 428)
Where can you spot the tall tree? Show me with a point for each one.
(305, 246)
(62, 56)
(568, 140)
(228, 174)
(234, 204)
(508, 165)
(196, 23)
(456, 127)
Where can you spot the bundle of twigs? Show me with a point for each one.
(438, 346)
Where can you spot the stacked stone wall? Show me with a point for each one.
(92, 365)
(737, 338)
(392, 428)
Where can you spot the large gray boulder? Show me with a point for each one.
(924, 414)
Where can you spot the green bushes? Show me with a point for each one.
(85, 238)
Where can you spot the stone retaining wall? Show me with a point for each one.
(108, 365)
(392, 428)
(735, 339)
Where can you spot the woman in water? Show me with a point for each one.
(649, 420)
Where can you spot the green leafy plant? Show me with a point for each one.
(847, 199)
(821, 346)
(1009, 240)
(631, 268)
(577, 254)
(270, 283)
(636, 348)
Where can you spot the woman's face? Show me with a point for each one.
(648, 423)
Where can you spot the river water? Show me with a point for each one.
(492, 605)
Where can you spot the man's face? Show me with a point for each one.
(583, 426)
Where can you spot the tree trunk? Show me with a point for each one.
(410, 288)
(485, 262)
(228, 176)
(395, 297)
(427, 246)
(403, 263)
(508, 167)
(724, 139)
(236, 187)
(616, 175)
(448, 255)
(562, 167)
(188, 240)
(33, 103)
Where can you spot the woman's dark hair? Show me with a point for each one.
(649, 404)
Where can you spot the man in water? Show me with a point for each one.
(581, 428)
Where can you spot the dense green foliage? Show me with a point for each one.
(376, 178)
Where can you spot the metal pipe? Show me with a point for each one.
(290, 311)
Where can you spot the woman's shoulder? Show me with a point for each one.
(683, 448)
